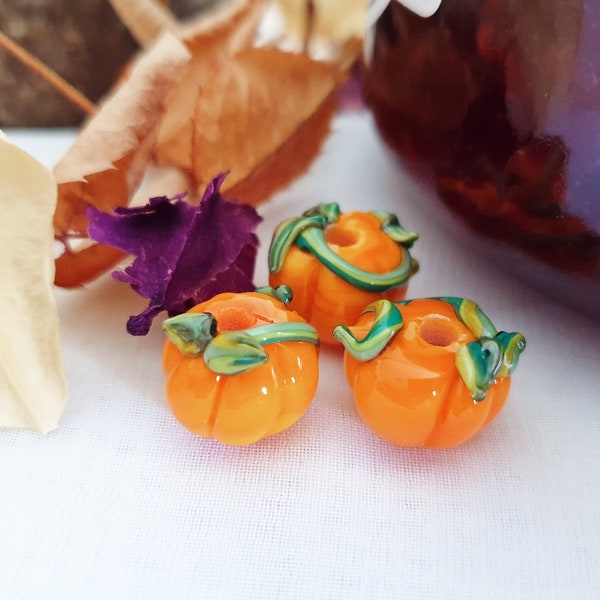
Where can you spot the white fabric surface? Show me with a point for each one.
(121, 502)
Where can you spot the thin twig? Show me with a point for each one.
(309, 25)
(46, 73)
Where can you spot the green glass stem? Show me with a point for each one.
(190, 332)
(231, 352)
(314, 241)
(388, 320)
(308, 233)
(479, 362)
(283, 293)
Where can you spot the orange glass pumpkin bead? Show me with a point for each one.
(337, 263)
(240, 366)
(429, 372)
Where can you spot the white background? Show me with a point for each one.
(121, 502)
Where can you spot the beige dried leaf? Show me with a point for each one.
(146, 20)
(333, 21)
(33, 386)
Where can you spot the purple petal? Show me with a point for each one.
(184, 253)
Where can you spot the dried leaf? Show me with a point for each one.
(263, 120)
(325, 21)
(211, 41)
(108, 159)
(211, 102)
(33, 387)
(146, 20)
(290, 160)
(73, 269)
(184, 254)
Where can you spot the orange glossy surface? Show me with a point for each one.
(242, 409)
(323, 298)
(412, 394)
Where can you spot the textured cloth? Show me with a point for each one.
(121, 502)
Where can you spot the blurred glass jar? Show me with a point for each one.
(497, 103)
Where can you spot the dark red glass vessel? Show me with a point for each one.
(497, 103)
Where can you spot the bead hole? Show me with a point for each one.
(437, 331)
(234, 319)
(337, 236)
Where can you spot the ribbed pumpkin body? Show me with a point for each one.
(243, 408)
(412, 393)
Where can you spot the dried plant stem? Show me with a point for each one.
(46, 73)
(309, 24)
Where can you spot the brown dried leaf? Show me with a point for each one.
(33, 386)
(211, 40)
(204, 103)
(292, 158)
(76, 268)
(108, 159)
(263, 120)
